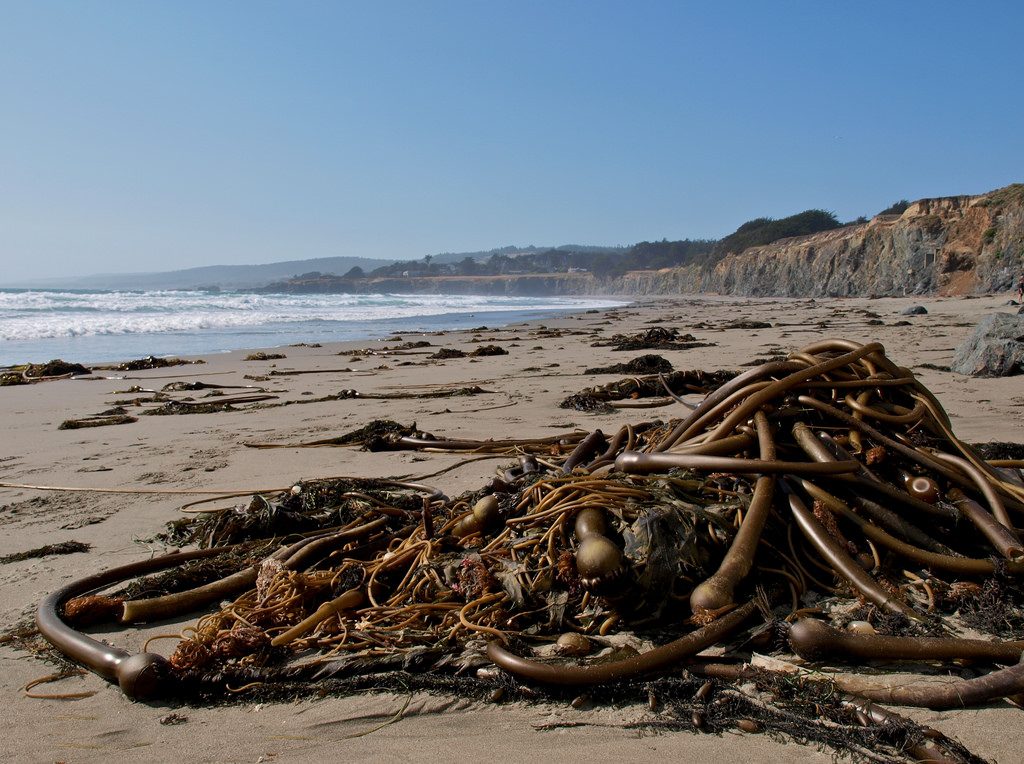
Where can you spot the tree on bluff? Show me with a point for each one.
(651, 255)
(898, 208)
(761, 231)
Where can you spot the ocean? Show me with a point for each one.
(97, 326)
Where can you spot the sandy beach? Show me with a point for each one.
(164, 457)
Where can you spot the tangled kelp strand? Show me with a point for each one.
(62, 547)
(677, 383)
(644, 364)
(102, 420)
(41, 372)
(656, 338)
(149, 362)
(791, 491)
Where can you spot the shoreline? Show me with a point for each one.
(97, 346)
(202, 452)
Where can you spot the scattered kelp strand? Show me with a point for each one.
(445, 353)
(97, 421)
(633, 388)
(644, 364)
(488, 350)
(149, 362)
(656, 338)
(262, 356)
(378, 435)
(206, 406)
(63, 547)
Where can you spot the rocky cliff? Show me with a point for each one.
(952, 245)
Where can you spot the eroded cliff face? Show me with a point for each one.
(952, 245)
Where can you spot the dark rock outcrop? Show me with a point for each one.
(994, 349)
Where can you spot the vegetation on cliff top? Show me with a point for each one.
(1012, 194)
(897, 208)
(761, 231)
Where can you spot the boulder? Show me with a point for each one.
(994, 349)
(914, 310)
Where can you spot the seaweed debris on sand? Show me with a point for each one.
(656, 338)
(820, 507)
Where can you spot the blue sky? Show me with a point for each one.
(141, 136)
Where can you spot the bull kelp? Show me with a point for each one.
(816, 511)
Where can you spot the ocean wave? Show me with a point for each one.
(27, 316)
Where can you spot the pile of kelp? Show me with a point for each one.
(656, 338)
(646, 391)
(30, 373)
(26, 374)
(811, 513)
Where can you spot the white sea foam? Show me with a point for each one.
(39, 323)
(43, 315)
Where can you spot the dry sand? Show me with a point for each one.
(204, 452)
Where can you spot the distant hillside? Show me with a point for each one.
(219, 276)
(254, 276)
(514, 251)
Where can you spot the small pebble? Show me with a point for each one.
(171, 719)
(573, 643)
(860, 627)
(580, 701)
(652, 700)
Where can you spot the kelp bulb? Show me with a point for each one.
(486, 510)
(597, 558)
(589, 522)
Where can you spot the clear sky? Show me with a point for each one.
(142, 136)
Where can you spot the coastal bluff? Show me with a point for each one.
(957, 245)
(953, 245)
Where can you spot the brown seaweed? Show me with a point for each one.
(63, 547)
(263, 356)
(643, 364)
(679, 382)
(762, 484)
(656, 338)
(149, 362)
(97, 421)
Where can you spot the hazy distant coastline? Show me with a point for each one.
(949, 245)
